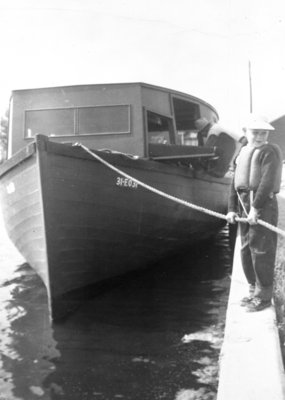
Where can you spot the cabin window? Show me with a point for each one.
(78, 121)
(59, 122)
(186, 113)
(104, 119)
(160, 129)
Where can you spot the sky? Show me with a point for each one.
(200, 47)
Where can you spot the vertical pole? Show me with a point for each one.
(250, 86)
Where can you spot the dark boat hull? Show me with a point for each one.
(77, 222)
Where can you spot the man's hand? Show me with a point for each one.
(252, 216)
(231, 217)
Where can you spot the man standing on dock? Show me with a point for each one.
(252, 196)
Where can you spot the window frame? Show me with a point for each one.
(172, 134)
(123, 132)
(193, 102)
(76, 121)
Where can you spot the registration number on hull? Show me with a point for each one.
(126, 182)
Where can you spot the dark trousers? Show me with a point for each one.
(258, 248)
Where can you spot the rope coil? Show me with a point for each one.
(176, 199)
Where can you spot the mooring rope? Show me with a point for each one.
(173, 198)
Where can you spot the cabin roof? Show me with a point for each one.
(125, 84)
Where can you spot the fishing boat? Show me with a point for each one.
(76, 189)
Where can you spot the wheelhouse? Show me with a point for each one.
(128, 117)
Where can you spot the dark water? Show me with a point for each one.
(153, 335)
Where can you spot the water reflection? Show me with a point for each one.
(27, 343)
(154, 335)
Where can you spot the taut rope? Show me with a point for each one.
(173, 198)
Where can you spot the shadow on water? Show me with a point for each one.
(154, 335)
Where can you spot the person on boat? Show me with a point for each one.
(252, 196)
(223, 142)
(208, 132)
(203, 126)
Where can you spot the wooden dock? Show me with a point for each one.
(251, 366)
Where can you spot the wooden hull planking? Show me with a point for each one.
(77, 222)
